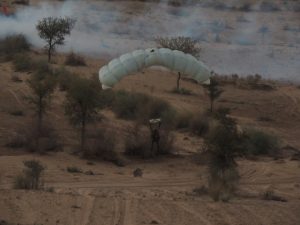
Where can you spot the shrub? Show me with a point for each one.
(30, 178)
(17, 141)
(182, 91)
(201, 191)
(257, 142)
(142, 107)
(64, 78)
(102, 145)
(22, 63)
(73, 59)
(13, 44)
(199, 125)
(183, 120)
(74, 169)
(138, 143)
(17, 113)
(16, 78)
(223, 145)
(26, 138)
(270, 195)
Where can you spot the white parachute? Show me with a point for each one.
(174, 60)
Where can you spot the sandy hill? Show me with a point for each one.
(164, 195)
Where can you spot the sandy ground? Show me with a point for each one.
(164, 195)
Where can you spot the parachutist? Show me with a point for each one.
(154, 125)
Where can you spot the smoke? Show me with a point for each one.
(230, 41)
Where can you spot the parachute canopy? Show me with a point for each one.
(174, 60)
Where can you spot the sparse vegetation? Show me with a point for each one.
(223, 144)
(11, 45)
(270, 195)
(257, 142)
(31, 176)
(22, 63)
(42, 86)
(74, 169)
(184, 44)
(142, 107)
(182, 91)
(213, 91)
(102, 145)
(138, 142)
(81, 106)
(53, 31)
(73, 59)
(199, 124)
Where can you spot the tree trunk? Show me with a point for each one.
(178, 80)
(39, 125)
(49, 54)
(83, 136)
(211, 105)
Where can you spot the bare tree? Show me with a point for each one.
(184, 44)
(213, 91)
(53, 31)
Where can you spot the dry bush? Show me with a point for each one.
(142, 107)
(138, 143)
(16, 78)
(31, 176)
(183, 120)
(11, 45)
(199, 125)
(257, 142)
(102, 145)
(270, 195)
(26, 138)
(22, 63)
(74, 169)
(73, 59)
(181, 91)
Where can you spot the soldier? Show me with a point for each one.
(155, 137)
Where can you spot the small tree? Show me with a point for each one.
(263, 31)
(184, 44)
(53, 31)
(81, 105)
(223, 144)
(42, 86)
(213, 91)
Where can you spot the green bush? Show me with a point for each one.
(13, 44)
(22, 63)
(31, 176)
(257, 142)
